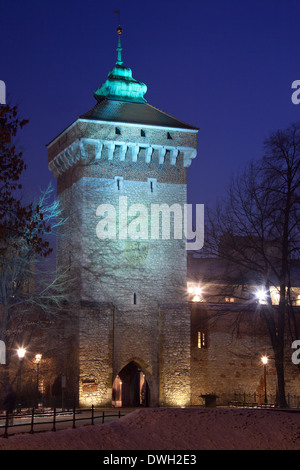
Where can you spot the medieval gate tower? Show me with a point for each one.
(114, 165)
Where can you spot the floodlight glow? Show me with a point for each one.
(21, 353)
(196, 291)
(38, 357)
(264, 360)
(261, 296)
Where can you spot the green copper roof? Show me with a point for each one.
(120, 85)
(133, 113)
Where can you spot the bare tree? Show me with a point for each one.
(17, 218)
(257, 230)
(33, 293)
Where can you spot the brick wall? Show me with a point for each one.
(93, 130)
(136, 277)
(230, 361)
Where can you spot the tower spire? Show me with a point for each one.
(119, 48)
(120, 85)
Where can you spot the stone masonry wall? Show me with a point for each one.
(93, 130)
(96, 354)
(116, 270)
(135, 276)
(230, 363)
(174, 355)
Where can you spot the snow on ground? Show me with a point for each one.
(174, 429)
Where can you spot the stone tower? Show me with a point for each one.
(120, 168)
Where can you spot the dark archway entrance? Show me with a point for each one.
(130, 387)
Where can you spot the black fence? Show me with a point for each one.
(29, 401)
(49, 419)
(35, 419)
(255, 400)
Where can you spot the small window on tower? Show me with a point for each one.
(118, 131)
(134, 299)
(143, 133)
(169, 135)
(119, 182)
(152, 185)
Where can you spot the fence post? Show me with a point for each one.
(119, 414)
(74, 426)
(54, 420)
(6, 425)
(32, 421)
(92, 414)
(102, 417)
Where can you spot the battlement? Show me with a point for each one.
(115, 142)
(112, 150)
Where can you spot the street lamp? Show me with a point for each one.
(21, 354)
(38, 358)
(261, 296)
(264, 360)
(196, 292)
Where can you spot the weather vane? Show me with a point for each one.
(119, 29)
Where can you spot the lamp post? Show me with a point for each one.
(38, 358)
(63, 387)
(264, 360)
(21, 354)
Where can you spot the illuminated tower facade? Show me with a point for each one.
(117, 166)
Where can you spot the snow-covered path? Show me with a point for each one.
(175, 429)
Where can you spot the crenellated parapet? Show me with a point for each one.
(111, 150)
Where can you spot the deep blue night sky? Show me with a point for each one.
(223, 66)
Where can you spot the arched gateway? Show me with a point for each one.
(130, 387)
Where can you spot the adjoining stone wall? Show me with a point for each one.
(95, 354)
(230, 361)
(174, 355)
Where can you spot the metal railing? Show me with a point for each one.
(35, 418)
(255, 400)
